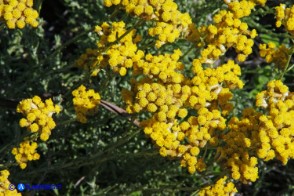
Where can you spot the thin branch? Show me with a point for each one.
(115, 109)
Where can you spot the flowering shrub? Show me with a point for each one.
(149, 98)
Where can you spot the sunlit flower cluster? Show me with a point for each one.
(211, 86)
(116, 47)
(265, 135)
(240, 9)
(170, 23)
(169, 100)
(243, 8)
(184, 140)
(85, 102)
(38, 116)
(166, 68)
(5, 184)
(228, 31)
(236, 153)
(221, 187)
(155, 97)
(277, 55)
(26, 152)
(18, 13)
(285, 16)
(227, 74)
(276, 131)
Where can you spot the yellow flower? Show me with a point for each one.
(182, 113)
(38, 114)
(18, 14)
(151, 107)
(85, 103)
(26, 152)
(221, 187)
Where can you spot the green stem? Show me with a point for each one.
(5, 147)
(263, 11)
(260, 28)
(187, 52)
(290, 67)
(288, 62)
(114, 13)
(67, 122)
(148, 45)
(38, 5)
(7, 166)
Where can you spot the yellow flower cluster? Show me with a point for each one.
(243, 8)
(227, 31)
(277, 55)
(187, 113)
(276, 132)
(169, 100)
(166, 68)
(265, 135)
(38, 116)
(121, 49)
(285, 16)
(85, 102)
(211, 87)
(184, 140)
(201, 91)
(240, 9)
(18, 13)
(236, 154)
(26, 152)
(4, 185)
(226, 74)
(156, 97)
(220, 188)
(169, 21)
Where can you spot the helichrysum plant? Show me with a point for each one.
(180, 82)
